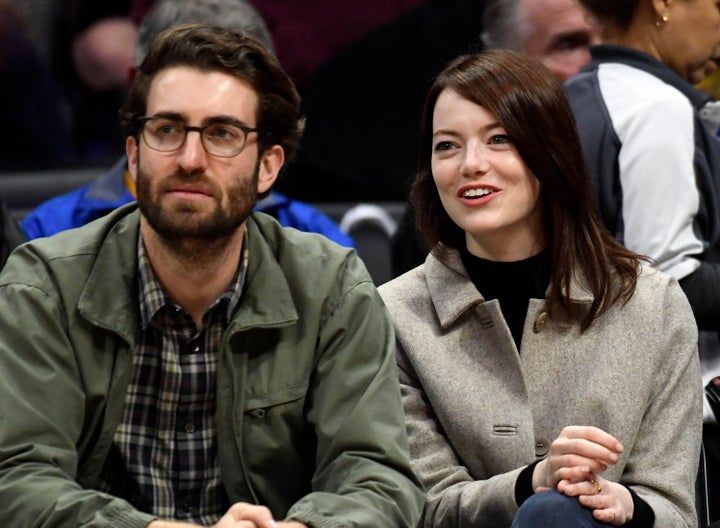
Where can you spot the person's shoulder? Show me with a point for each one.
(309, 256)
(403, 288)
(656, 289)
(73, 245)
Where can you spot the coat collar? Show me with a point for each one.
(453, 293)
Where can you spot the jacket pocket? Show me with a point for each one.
(278, 441)
(258, 406)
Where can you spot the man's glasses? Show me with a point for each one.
(223, 140)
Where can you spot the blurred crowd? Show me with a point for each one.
(65, 65)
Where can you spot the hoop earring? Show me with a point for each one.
(660, 22)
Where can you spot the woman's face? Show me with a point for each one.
(484, 184)
(691, 35)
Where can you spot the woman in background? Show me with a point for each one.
(548, 378)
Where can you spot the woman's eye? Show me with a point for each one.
(499, 139)
(443, 146)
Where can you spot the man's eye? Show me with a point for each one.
(222, 132)
(167, 128)
(572, 42)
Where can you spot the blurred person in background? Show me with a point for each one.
(36, 133)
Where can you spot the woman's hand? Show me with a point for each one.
(576, 456)
(610, 502)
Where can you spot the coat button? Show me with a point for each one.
(542, 446)
(540, 322)
(257, 413)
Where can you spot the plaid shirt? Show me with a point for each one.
(164, 458)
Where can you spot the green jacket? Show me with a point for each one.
(309, 417)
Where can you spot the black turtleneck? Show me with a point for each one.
(513, 284)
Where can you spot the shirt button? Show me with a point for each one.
(542, 446)
(189, 428)
(540, 322)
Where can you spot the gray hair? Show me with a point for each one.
(503, 24)
(230, 14)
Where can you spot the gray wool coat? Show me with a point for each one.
(477, 412)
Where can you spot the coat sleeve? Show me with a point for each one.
(362, 458)
(663, 464)
(43, 412)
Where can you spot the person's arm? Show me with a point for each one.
(363, 475)
(701, 288)
(45, 409)
(663, 462)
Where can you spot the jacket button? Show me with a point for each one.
(540, 322)
(542, 446)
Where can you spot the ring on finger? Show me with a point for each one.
(598, 488)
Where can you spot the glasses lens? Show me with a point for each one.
(223, 139)
(163, 134)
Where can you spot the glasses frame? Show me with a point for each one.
(143, 120)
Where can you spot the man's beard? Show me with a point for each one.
(187, 223)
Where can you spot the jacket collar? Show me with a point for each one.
(267, 301)
(110, 296)
(606, 53)
(453, 293)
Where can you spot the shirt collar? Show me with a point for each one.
(153, 296)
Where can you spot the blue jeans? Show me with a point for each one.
(552, 509)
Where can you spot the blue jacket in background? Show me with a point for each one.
(108, 192)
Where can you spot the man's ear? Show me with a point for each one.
(270, 164)
(131, 149)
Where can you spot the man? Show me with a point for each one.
(116, 188)
(193, 361)
(558, 33)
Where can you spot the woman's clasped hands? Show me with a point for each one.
(577, 456)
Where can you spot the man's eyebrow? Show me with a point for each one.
(225, 120)
(212, 120)
(172, 116)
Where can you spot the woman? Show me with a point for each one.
(650, 143)
(543, 370)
